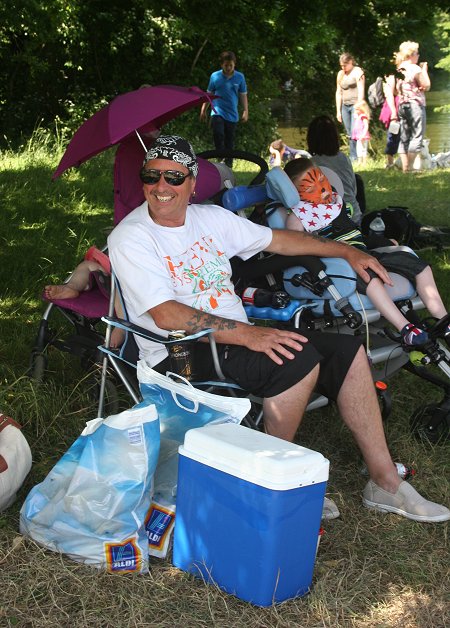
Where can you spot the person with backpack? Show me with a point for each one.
(349, 90)
(411, 111)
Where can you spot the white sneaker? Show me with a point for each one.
(406, 502)
(330, 510)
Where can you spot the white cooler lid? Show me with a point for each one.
(256, 457)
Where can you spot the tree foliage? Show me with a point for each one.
(62, 59)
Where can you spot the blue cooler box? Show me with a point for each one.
(248, 512)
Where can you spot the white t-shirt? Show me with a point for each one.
(189, 264)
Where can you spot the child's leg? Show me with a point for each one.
(117, 335)
(76, 284)
(382, 301)
(411, 335)
(365, 150)
(359, 150)
(429, 293)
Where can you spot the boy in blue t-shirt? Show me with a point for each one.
(230, 85)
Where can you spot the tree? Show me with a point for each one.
(63, 59)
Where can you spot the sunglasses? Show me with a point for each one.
(172, 177)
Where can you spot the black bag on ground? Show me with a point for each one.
(400, 225)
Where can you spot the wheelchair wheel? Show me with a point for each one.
(427, 427)
(240, 154)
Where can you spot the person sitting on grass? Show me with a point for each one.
(81, 280)
(322, 212)
(281, 153)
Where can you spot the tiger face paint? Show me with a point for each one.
(314, 187)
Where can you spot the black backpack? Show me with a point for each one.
(375, 94)
(400, 224)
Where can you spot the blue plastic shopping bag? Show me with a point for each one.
(93, 503)
(180, 407)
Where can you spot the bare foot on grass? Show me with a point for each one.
(63, 291)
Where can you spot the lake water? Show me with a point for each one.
(438, 123)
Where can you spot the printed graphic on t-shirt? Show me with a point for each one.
(204, 269)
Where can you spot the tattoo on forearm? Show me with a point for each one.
(201, 320)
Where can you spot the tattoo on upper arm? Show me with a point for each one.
(202, 320)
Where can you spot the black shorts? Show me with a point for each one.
(403, 263)
(392, 143)
(256, 373)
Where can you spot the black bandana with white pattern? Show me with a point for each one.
(174, 148)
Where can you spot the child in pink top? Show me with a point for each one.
(360, 131)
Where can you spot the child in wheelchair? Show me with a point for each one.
(322, 212)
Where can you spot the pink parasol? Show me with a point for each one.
(143, 110)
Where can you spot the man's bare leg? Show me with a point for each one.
(358, 405)
(385, 491)
(284, 412)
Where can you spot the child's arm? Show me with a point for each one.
(365, 128)
(293, 223)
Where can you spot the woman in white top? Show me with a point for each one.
(411, 94)
(349, 90)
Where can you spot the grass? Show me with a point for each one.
(372, 570)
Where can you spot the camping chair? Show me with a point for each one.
(123, 361)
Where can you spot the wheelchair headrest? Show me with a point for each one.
(276, 217)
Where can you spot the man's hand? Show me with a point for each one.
(274, 342)
(245, 115)
(361, 261)
(174, 315)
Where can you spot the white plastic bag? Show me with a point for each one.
(15, 460)
(181, 407)
(93, 503)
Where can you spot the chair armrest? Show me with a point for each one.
(146, 333)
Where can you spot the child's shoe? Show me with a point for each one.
(413, 336)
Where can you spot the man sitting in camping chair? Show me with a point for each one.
(172, 261)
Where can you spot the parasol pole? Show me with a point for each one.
(141, 140)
